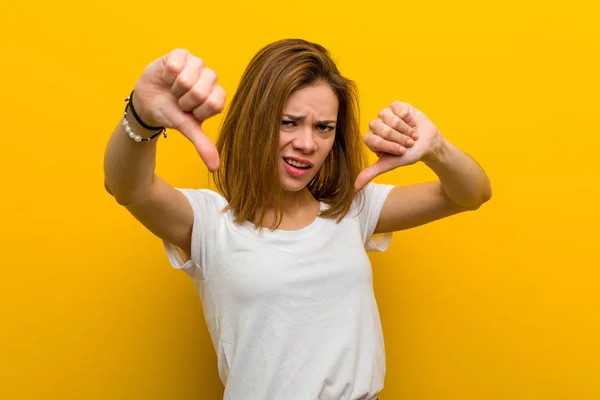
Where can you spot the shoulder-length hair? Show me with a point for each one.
(248, 141)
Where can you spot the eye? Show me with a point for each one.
(286, 122)
(325, 128)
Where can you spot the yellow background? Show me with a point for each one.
(502, 303)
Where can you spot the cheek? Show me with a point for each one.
(285, 139)
(326, 148)
(329, 145)
(331, 142)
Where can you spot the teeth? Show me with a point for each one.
(296, 163)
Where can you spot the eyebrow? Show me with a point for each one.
(300, 118)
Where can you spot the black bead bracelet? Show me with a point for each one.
(133, 135)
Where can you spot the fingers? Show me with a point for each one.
(196, 98)
(388, 116)
(394, 131)
(207, 150)
(383, 137)
(369, 173)
(200, 91)
(405, 112)
(190, 81)
(173, 64)
(387, 132)
(377, 144)
(190, 128)
(188, 76)
(363, 178)
(212, 106)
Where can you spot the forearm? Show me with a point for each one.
(462, 179)
(129, 165)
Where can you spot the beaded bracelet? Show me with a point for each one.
(130, 132)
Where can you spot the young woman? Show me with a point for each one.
(278, 255)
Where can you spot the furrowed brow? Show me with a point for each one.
(300, 118)
(294, 117)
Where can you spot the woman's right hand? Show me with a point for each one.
(178, 91)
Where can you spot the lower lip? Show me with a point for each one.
(297, 172)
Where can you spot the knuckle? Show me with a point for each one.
(215, 104)
(222, 94)
(185, 81)
(198, 114)
(174, 61)
(398, 107)
(177, 52)
(211, 74)
(174, 66)
(372, 146)
(199, 94)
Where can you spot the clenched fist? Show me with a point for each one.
(402, 135)
(178, 91)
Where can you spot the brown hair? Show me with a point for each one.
(248, 142)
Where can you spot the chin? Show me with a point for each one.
(294, 185)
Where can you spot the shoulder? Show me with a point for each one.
(207, 205)
(373, 195)
(365, 211)
(206, 197)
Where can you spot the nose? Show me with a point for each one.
(305, 140)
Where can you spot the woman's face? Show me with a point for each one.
(306, 136)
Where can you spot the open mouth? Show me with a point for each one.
(296, 164)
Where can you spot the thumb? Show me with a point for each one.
(369, 173)
(190, 128)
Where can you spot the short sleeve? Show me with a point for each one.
(206, 206)
(369, 203)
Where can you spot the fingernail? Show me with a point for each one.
(401, 149)
(410, 142)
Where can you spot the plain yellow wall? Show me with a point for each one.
(502, 303)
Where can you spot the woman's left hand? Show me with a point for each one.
(402, 135)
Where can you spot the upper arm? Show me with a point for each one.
(410, 206)
(167, 213)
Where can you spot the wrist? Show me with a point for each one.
(141, 116)
(136, 127)
(144, 131)
(437, 152)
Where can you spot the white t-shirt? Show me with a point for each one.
(292, 314)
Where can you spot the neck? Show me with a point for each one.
(294, 206)
(297, 202)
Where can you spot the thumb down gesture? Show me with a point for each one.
(178, 91)
(402, 135)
